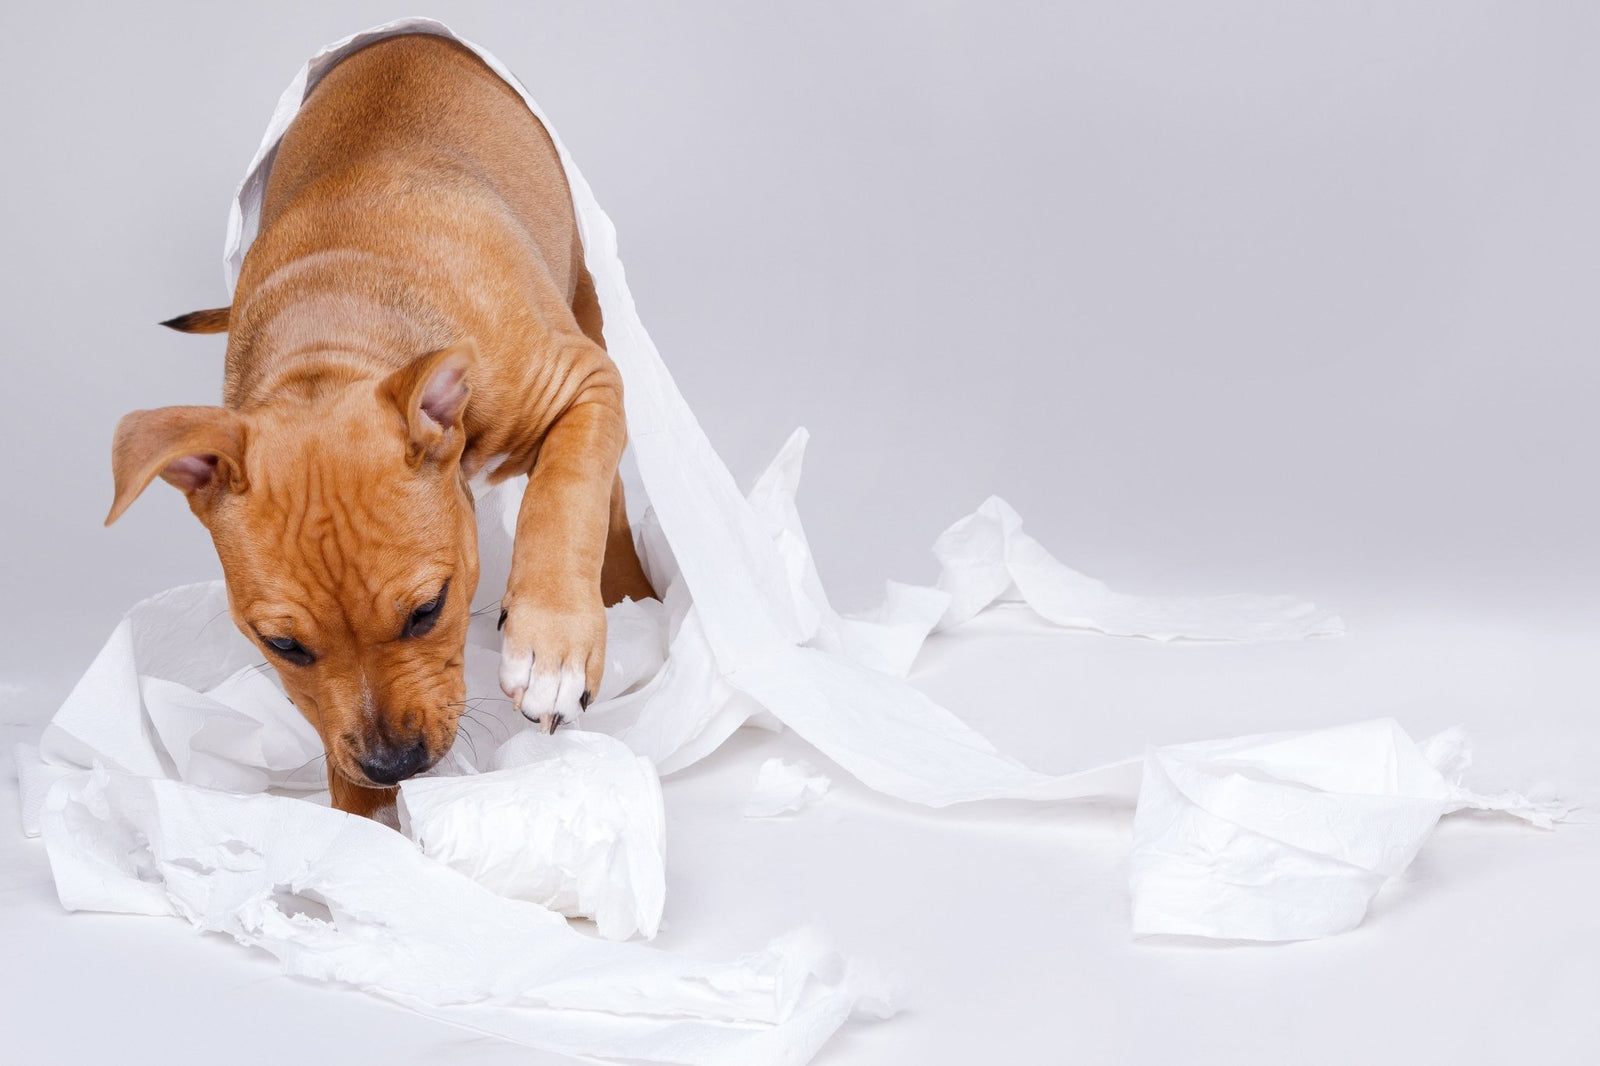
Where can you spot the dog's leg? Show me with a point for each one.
(554, 615)
(622, 576)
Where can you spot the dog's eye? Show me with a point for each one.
(290, 649)
(423, 618)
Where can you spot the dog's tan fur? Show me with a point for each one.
(414, 311)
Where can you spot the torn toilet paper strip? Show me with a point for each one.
(340, 898)
(987, 557)
(173, 709)
(842, 692)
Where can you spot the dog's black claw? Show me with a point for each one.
(502, 623)
(556, 722)
(583, 701)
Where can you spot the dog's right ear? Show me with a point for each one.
(199, 450)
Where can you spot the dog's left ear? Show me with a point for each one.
(431, 395)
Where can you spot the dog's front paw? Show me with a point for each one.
(551, 658)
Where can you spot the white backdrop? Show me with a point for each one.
(1290, 297)
(1224, 296)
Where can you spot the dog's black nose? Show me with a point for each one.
(385, 766)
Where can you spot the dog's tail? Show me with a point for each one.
(213, 321)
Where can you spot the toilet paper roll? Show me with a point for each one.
(572, 821)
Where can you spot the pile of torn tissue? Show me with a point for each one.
(164, 784)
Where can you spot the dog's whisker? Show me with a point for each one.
(484, 725)
(467, 716)
(213, 618)
(467, 736)
(295, 772)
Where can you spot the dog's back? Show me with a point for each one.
(412, 151)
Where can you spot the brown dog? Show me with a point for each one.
(414, 311)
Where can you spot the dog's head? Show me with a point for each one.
(348, 542)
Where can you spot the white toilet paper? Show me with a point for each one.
(571, 821)
(1289, 836)
(340, 898)
(783, 786)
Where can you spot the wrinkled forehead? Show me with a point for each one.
(333, 512)
(344, 431)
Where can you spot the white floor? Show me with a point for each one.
(1009, 923)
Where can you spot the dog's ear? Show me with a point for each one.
(199, 450)
(431, 395)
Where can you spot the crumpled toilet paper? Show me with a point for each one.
(160, 785)
(1289, 836)
(783, 786)
(987, 558)
(571, 821)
